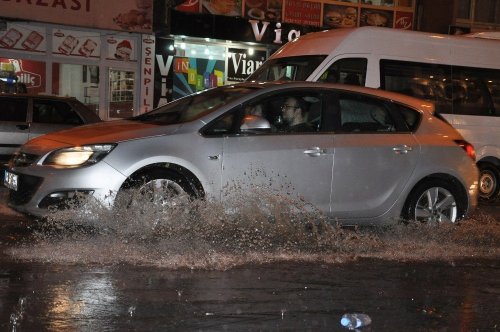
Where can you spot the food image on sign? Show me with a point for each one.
(68, 45)
(377, 18)
(34, 39)
(88, 47)
(340, 16)
(10, 38)
(123, 50)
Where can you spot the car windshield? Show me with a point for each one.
(297, 68)
(194, 106)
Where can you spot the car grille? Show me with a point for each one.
(27, 186)
(22, 159)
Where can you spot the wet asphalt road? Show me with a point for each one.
(399, 296)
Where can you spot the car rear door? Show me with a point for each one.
(373, 160)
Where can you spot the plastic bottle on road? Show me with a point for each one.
(355, 320)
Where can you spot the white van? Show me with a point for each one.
(460, 74)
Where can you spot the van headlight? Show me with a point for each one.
(76, 156)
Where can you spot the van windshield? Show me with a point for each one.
(297, 68)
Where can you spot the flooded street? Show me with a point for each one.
(251, 271)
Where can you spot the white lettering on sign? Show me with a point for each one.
(164, 67)
(259, 33)
(247, 66)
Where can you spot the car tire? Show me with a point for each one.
(489, 188)
(160, 185)
(434, 201)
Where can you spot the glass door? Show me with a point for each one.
(121, 93)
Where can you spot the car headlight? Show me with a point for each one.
(79, 155)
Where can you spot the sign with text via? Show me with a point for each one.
(240, 63)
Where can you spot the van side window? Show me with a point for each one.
(454, 89)
(348, 71)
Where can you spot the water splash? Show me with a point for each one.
(259, 228)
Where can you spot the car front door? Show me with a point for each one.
(276, 160)
(373, 160)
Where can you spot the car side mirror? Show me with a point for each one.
(254, 123)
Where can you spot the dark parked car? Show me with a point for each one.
(23, 117)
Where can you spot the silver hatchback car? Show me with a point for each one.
(360, 155)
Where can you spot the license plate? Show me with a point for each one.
(10, 180)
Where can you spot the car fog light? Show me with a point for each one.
(60, 199)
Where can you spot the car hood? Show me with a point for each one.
(104, 132)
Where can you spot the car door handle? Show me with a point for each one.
(315, 151)
(22, 126)
(402, 149)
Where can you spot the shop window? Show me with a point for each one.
(78, 81)
(121, 91)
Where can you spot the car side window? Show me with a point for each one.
(292, 112)
(13, 109)
(54, 111)
(362, 114)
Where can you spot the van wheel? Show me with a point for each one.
(488, 182)
(159, 186)
(434, 201)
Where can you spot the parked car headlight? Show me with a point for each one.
(79, 155)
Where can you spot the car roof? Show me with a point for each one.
(30, 95)
(420, 104)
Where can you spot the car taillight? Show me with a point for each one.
(469, 148)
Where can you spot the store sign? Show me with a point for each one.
(163, 74)
(260, 30)
(127, 15)
(303, 12)
(195, 74)
(236, 28)
(29, 73)
(404, 20)
(25, 37)
(147, 73)
(240, 64)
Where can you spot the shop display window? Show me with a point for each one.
(78, 81)
(121, 89)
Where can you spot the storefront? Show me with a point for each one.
(208, 43)
(96, 56)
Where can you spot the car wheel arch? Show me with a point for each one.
(438, 179)
(174, 171)
(489, 166)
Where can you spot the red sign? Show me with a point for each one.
(303, 12)
(404, 20)
(29, 73)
